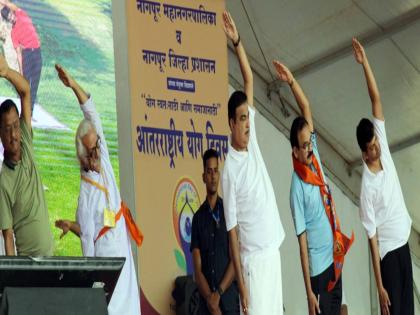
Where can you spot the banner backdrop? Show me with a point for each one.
(179, 89)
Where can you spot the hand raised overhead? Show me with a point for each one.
(358, 51)
(229, 27)
(283, 72)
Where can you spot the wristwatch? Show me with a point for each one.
(238, 41)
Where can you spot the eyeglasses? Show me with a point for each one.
(93, 152)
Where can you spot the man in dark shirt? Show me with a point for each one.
(213, 268)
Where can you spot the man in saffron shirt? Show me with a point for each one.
(27, 44)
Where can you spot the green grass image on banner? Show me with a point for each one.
(78, 35)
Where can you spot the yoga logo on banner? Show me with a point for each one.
(186, 202)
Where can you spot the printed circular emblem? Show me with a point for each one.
(186, 202)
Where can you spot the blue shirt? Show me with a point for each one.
(309, 215)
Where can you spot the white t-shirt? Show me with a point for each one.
(382, 207)
(248, 197)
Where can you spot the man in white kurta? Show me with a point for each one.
(90, 216)
(252, 208)
(98, 192)
(251, 213)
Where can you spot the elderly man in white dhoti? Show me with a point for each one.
(103, 222)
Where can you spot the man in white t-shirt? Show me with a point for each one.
(251, 213)
(383, 211)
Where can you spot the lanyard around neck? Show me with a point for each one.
(99, 186)
(216, 215)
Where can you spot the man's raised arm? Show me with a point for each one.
(22, 88)
(232, 33)
(361, 58)
(285, 75)
(88, 108)
(68, 81)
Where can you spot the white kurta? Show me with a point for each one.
(116, 242)
(250, 203)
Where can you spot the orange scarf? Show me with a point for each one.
(132, 227)
(341, 242)
(135, 232)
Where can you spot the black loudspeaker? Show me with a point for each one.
(49, 301)
(57, 285)
(186, 296)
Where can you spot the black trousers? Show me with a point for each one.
(329, 302)
(205, 311)
(229, 302)
(32, 66)
(397, 278)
